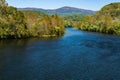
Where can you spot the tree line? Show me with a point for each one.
(26, 24)
(20, 24)
(107, 20)
(69, 20)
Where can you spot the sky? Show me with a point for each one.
(54, 4)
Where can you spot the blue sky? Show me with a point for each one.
(53, 4)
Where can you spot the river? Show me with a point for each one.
(77, 55)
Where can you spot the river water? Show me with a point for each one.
(77, 55)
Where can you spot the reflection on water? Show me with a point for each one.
(75, 56)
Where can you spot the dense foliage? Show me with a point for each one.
(37, 13)
(12, 22)
(45, 26)
(18, 24)
(71, 19)
(107, 20)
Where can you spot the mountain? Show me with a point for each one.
(66, 10)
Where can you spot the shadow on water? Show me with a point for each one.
(77, 55)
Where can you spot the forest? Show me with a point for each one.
(107, 20)
(69, 20)
(24, 24)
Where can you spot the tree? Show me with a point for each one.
(13, 24)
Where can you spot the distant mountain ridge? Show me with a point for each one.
(66, 10)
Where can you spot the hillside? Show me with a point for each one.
(112, 9)
(107, 20)
(38, 14)
(63, 11)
